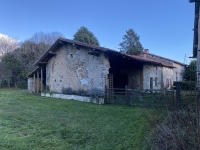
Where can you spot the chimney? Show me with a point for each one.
(146, 50)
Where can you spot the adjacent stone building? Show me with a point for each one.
(159, 77)
(72, 67)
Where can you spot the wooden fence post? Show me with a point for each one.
(172, 100)
(34, 83)
(178, 97)
(37, 81)
(41, 81)
(127, 95)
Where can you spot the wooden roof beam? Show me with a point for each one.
(52, 53)
(43, 62)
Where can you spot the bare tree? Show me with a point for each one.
(7, 44)
(47, 38)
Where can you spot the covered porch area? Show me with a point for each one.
(126, 71)
(37, 80)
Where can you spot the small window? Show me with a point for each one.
(71, 56)
(156, 81)
(151, 83)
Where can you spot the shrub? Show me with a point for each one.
(177, 131)
(93, 93)
(22, 85)
(96, 93)
(70, 91)
(185, 85)
(67, 91)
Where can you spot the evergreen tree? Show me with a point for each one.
(86, 36)
(131, 43)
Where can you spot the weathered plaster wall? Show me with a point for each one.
(134, 79)
(178, 72)
(168, 75)
(155, 72)
(76, 69)
(30, 85)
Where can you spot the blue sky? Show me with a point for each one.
(165, 27)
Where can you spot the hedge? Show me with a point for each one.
(185, 85)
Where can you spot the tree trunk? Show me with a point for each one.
(8, 83)
(16, 85)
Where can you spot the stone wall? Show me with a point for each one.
(134, 79)
(30, 85)
(168, 77)
(97, 100)
(178, 72)
(154, 72)
(74, 68)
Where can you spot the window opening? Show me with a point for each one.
(156, 81)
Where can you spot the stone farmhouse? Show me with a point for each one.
(79, 66)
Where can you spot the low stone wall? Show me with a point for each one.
(75, 97)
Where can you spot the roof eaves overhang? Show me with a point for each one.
(49, 52)
(63, 41)
(145, 60)
(163, 58)
(31, 73)
(191, 1)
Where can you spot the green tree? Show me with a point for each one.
(16, 64)
(86, 36)
(12, 64)
(191, 71)
(131, 43)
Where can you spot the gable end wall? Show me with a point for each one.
(76, 69)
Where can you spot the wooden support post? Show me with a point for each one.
(34, 83)
(41, 80)
(38, 81)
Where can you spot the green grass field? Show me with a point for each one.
(32, 122)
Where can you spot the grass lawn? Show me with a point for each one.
(33, 122)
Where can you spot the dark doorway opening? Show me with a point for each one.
(120, 80)
(122, 68)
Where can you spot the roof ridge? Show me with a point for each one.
(163, 58)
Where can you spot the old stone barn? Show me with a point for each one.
(71, 66)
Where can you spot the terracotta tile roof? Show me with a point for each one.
(63, 41)
(151, 61)
(162, 58)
